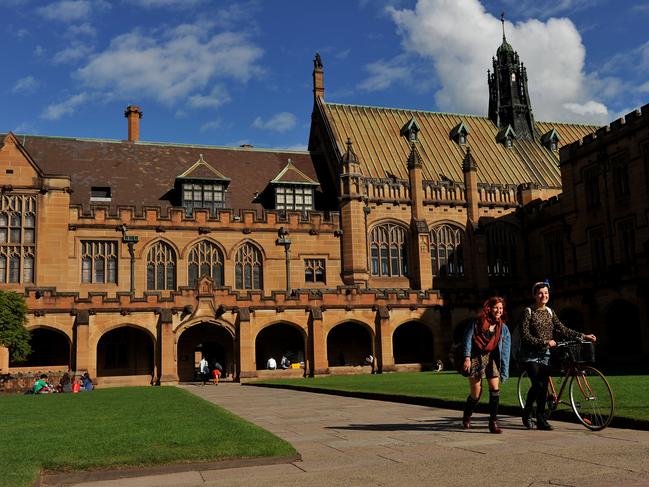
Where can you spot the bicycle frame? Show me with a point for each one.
(565, 380)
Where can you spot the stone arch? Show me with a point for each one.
(412, 342)
(249, 261)
(142, 253)
(349, 343)
(206, 338)
(279, 339)
(622, 322)
(51, 347)
(125, 350)
(184, 252)
(233, 250)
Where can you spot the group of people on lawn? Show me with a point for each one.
(486, 350)
(78, 383)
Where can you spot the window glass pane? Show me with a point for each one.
(193, 274)
(86, 269)
(29, 236)
(160, 281)
(3, 235)
(14, 235)
(3, 219)
(247, 277)
(257, 277)
(99, 270)
(384, 262)
(3, 269)
(171, 276)
(16, 220)
(30, 220)
(14, 268)
(28, 270)
(150, 276)
(238, 276)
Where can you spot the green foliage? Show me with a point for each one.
(13, 317)
(128, 426)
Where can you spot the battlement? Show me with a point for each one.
(167, 219)
(631, 121)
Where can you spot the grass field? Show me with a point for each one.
(121, 427)
(630, 391)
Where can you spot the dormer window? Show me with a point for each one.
(202, 187)
(550, 140)
(294, 197)
(293, 189)
(506, 137)
(207, 195)
(460, 134)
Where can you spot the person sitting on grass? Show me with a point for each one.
(65, 384)
(41, 386)
(87, 384)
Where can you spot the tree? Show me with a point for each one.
(13, 317)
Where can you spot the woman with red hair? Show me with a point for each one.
(486, 355)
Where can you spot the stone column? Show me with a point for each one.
(82, 343)
(317, 344)
(385, 354)
(4, 359)
(167, 363)
(246, 345)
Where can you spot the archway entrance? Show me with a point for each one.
(348, 344)
(278, 340)
(624, 337)
(50, 348)
(125, 351)
(412, 343)
(205, 339)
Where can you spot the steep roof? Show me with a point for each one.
(292, 175)
(144, 173)
(381, 150)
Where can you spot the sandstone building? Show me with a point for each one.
(136, 257)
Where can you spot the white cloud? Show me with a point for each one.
(280, 122)
(217, 97)
(39, 51)
(461, 37)
(644, 87)
(71, 54)
(587, 109)
(383, 74)
(66, 107)
(67, 10)
(164, 3)
(184, 61)
(85, 29)
(211, 126)
(549, 8)
(28, 84)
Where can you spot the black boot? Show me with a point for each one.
(494, 401)
(542, 423)
(528, 409)
(468, 411)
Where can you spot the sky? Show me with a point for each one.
(226, 73)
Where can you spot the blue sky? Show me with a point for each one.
(230, 72)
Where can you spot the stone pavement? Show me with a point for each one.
(347, 442)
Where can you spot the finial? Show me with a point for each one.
(317, 62)
(502, 20)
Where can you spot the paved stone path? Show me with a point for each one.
(348, 442)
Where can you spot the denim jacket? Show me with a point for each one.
(504, 346)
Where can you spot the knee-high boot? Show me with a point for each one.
(468, 411)
(494, 402)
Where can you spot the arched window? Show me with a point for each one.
(161, 267)
(502, 242)
(447, 251)
(248, 267)
(388, 245)
(205, 259)
(17, 238)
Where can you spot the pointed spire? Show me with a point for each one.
(349, 157)
(502, 21)
(318, 77)
(505, 46)
(414, 159)
(468, 164)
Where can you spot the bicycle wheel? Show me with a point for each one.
(591, 398)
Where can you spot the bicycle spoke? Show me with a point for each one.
(591, 398)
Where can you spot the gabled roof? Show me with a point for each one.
(460, 128)
(380, 149)
(292, 175)
(506, 133)
(551, 135)
(202, 170)
(144, 173)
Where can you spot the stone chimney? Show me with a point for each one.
(318, 78)
(133, 114)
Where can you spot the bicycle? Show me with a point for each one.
(591, 397)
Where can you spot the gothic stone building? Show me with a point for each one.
(136, 258)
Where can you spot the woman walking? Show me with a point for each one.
(486, 355)
(539, 328)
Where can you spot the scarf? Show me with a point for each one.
(481, 333)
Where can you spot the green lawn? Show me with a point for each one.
(631, 391)
(121, 427)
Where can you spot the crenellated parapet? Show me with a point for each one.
(47, 301)
(387, 189)
(176, 219)
(444, 192)
(497, 195)
(617, 129)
